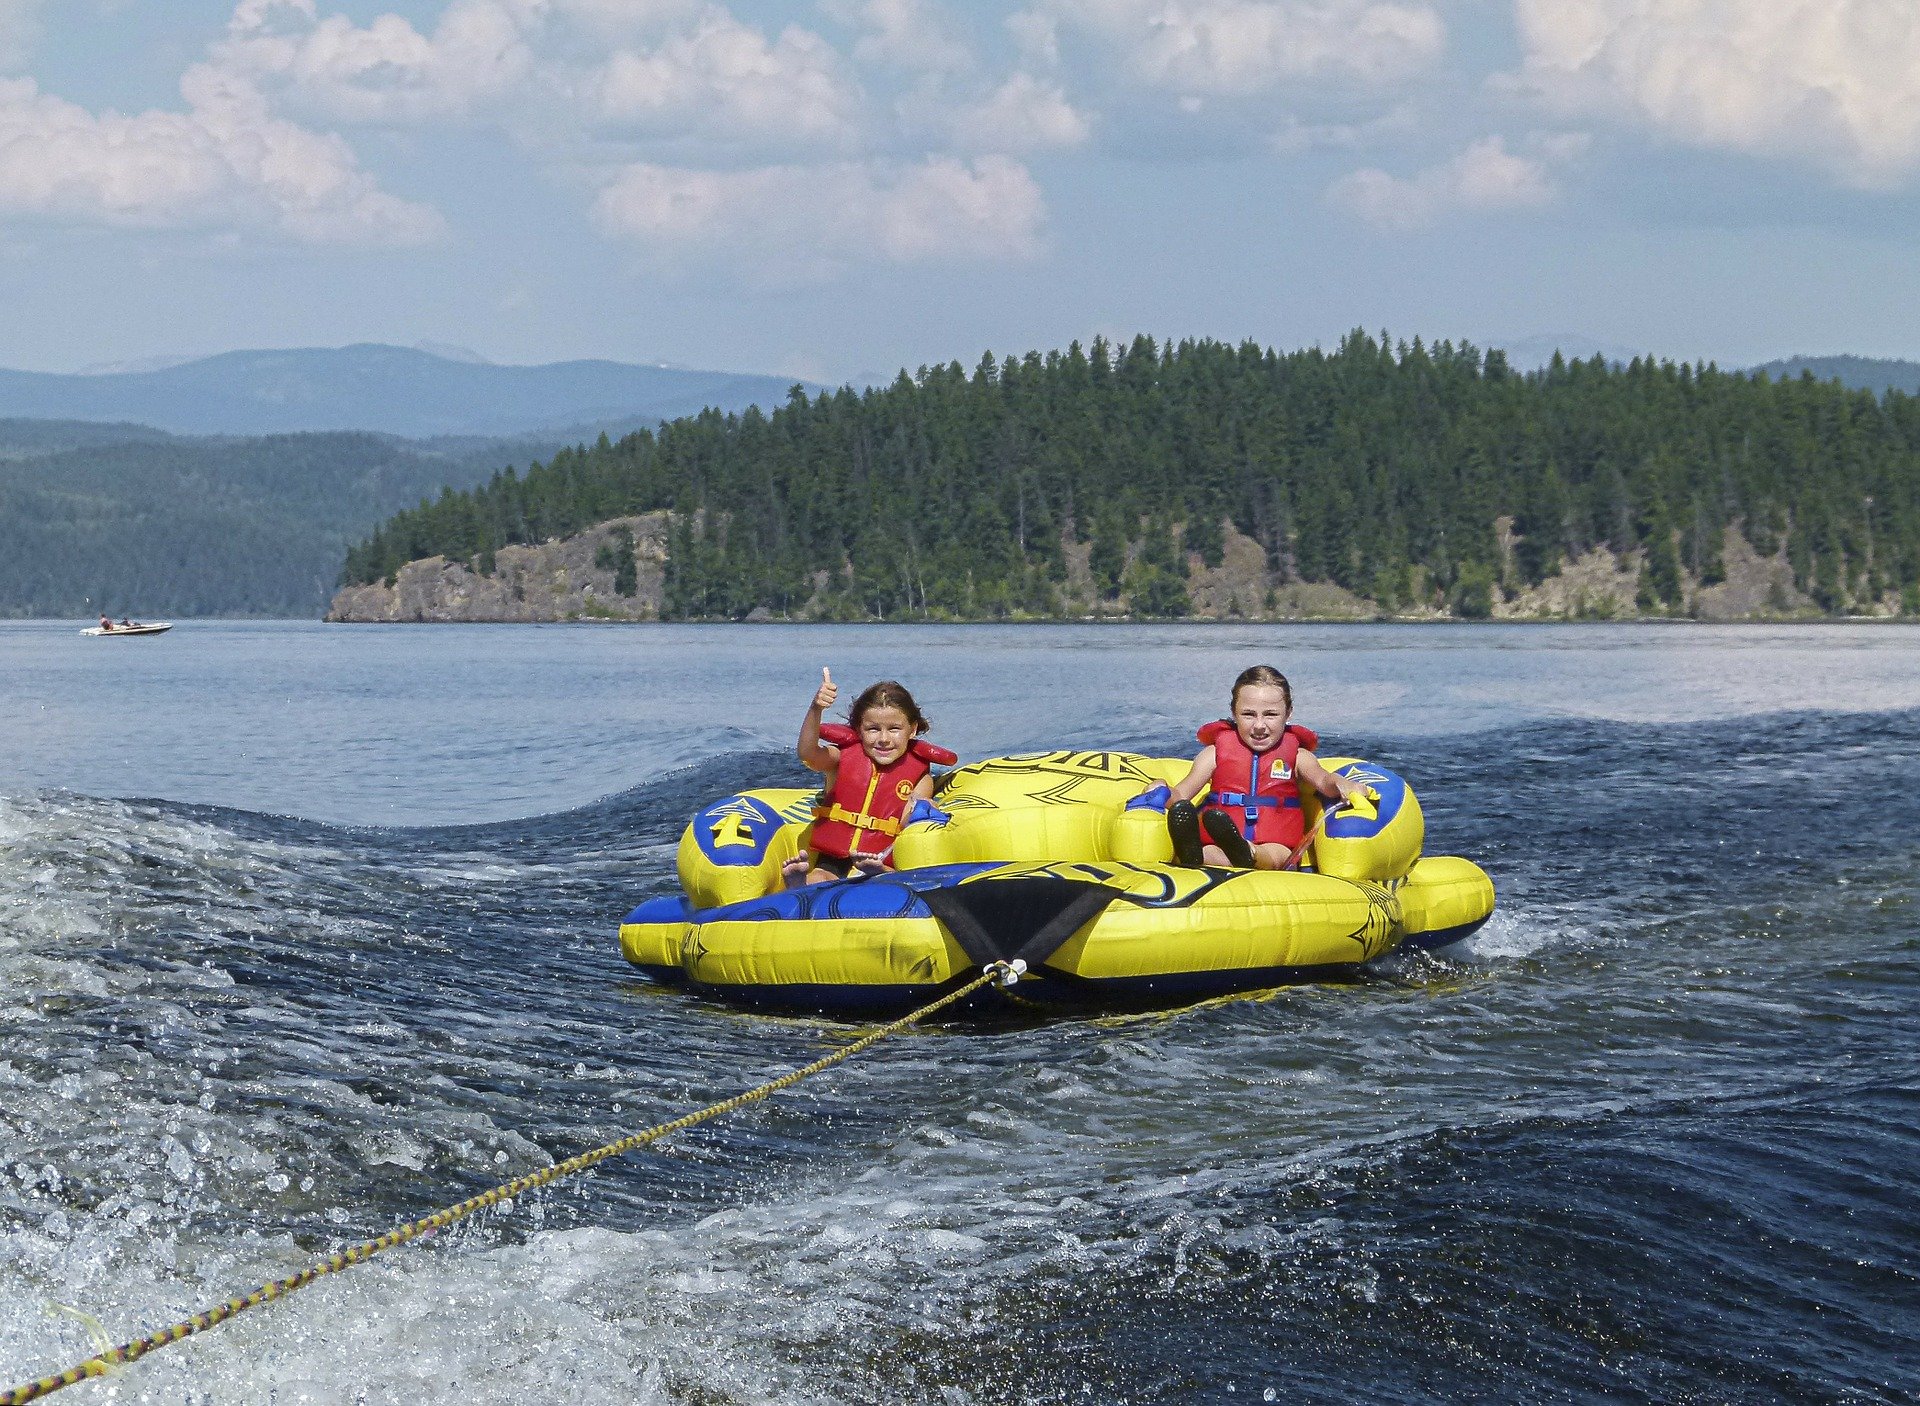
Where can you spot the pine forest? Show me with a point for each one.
(1416, 477)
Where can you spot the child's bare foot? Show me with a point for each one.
(793, 874)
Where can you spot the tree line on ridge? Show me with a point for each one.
(1387, 469)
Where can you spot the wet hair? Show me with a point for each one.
(1259, 674)
(888, 694)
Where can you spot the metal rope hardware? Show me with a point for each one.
(98, 1366)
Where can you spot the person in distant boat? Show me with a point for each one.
(127, 624)
(1253, 766)
(875, 770)
(106, 625)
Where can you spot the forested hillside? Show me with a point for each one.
(27, 439)
(135, 521)
(1420, 477)
(1860, 373)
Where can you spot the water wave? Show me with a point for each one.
(1663, 1105)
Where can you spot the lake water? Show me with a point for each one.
(306, 930)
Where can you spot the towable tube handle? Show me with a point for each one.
(924, 812)
(1155, 798)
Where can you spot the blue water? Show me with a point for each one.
(305, 930)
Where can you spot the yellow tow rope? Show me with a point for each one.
(100, 1365)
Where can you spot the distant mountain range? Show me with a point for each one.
(1860, 373)
(234, 484)
(404, 391)
(131, 520)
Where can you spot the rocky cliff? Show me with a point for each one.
(574, 578)
(582, 578)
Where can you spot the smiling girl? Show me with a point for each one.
(1255, 764)
(875, 770)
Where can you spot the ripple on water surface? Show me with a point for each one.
(1663, 1106)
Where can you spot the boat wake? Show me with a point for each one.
(233, 1041)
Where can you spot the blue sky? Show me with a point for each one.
(839, 188)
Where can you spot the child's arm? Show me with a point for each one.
(1197, 777)
(1307, 768)
(814, 754)
(923, 788)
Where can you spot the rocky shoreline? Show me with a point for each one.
(580, 578)
(570, 578)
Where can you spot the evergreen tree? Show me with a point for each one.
(1660, 577)
(1109, 555)
(1379, 467)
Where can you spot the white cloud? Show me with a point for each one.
(561, 76)
(910, 34)
(1486, 176)
(224, 162)
(1836, 82)
(1022, 114)
(386, 71)
(816, 220)
(989, 208)
(726, 78)
(547, 67)
(1224, 47)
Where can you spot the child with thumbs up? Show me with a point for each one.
(875, 769)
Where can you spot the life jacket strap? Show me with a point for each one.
(1240, 799)
(1250, 807)
(880, 824)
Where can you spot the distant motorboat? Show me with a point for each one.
(130, 628)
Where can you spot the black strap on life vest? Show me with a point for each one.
(1025, 919)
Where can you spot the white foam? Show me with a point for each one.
(1511, 935)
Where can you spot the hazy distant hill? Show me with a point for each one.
(1860, 373)
(392, 390)
(24, 439)
(132, 520)
(1535, 353)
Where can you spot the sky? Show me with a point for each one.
(837, 189)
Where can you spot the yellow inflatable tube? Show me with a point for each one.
(1062, 855)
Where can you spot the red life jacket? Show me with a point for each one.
(861, 814)
(1265, 807)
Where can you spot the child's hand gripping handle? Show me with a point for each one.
(1362, 801)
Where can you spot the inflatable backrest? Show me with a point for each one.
(1005, 835)
(1031, 808)
(1379, 846)
(1049, 778)
(733, 849)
